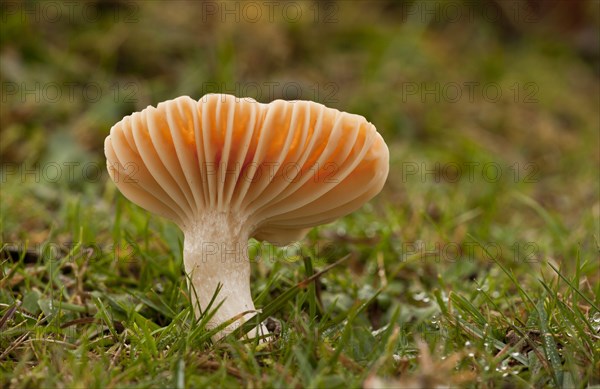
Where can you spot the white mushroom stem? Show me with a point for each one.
(215, 252)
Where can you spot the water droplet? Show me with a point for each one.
(467, 344)
(471, 355)
(596, 321)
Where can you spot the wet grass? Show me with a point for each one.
(476, 266)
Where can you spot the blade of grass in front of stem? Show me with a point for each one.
(281, 300)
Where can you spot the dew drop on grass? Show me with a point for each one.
(596, 321)
(502, 367)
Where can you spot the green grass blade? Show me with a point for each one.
(281, 300)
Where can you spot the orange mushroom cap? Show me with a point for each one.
(284, 167)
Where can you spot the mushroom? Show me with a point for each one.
(226, 169)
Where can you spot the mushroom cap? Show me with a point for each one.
(282, 167)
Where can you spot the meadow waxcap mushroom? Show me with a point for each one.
(226, 169)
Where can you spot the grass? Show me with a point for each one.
(489, 279)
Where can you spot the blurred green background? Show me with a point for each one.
(512, 83)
